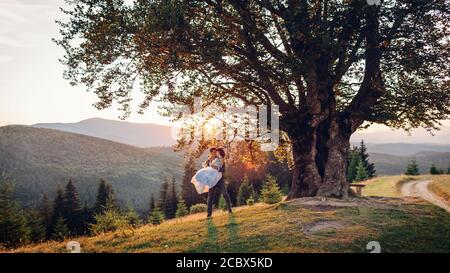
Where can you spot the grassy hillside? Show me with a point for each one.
(389, 186)
(441, 187)
(302, 225)
(387, 164)
(38, 159)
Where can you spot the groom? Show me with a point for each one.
(220, 186)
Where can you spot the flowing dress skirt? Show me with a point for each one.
(205, 179)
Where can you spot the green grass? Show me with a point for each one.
(387, 186)
(412, 227)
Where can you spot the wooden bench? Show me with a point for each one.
(358, 188)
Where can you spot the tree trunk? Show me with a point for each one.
(320, 159)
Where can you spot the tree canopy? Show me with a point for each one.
(264, 51)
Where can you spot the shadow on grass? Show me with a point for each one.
(211, 243)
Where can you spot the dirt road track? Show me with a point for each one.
(420, 189)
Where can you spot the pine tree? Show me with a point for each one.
(156, 217)
(434, 170)
(133, 218)
(163, 203)
(245, 192)
(172, 200)
(13, 224)
(188, 192)
(45, 212)
(355, 158)
(370, 167)
(412, 168)
(271, 192)
(87, 218)
(152, 204)
(105, 195)
(110, 219)
(361, 173)
(58, 209)
(60, 230)
(72, 209)
(448, 169)
(36, 224)
(182, 209)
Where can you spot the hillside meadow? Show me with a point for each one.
(300, 225)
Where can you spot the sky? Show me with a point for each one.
(32, 89)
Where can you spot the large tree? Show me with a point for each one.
(332, 66)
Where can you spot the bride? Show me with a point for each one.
(207, 177)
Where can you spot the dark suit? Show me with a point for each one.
(219, 188)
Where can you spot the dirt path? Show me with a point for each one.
(420, 189)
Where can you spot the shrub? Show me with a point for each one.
(250, 201)
(412, 168)
(156, 216)
(198, 208)
(133, 218)
(245, 192)
(110, 220)
(182, 209)
(222, 203)
(271, 192)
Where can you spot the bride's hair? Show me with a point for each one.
(221, 152)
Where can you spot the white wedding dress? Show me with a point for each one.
(207, 177)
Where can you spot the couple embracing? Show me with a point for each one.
(210, 178)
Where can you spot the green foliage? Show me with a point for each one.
(168, 198)
(45, 213)
(370, 167)
(222, 205)
(72, 209)
(105, 197)
(245, 192)
(355, 159)
(271, 192)
(109, 220)
(412, 168)
(188, 192)
(13, 224)
(448, 169)
(36, 224)
(152, 204)
(60, 230)
(434, 170)
(182, 209)
(133, 218)
(156, 217)
(250, 201)
(198, 208)
(171, 200)
(361, 173)
(58, 209)
(359, 155)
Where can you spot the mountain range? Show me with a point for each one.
(39, 159)
(136, 134)
(41, 156)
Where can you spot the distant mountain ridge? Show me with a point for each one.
(39, 159)
(137, 134)
(405, 149)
